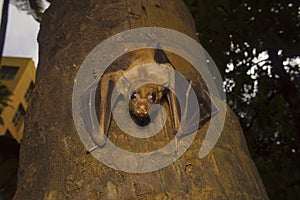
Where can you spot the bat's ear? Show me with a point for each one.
(160, 57)
(162, 87)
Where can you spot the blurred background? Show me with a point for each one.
(256, 46)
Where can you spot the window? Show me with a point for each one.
(8, 72)
(29, 91)
(18, 116)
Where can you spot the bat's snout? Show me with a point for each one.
(142, 110)
(139, 111)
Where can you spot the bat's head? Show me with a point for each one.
(143, 98)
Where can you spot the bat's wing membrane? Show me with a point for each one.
(87, 105)
(199, 111)
(206, 104)
(96, 108)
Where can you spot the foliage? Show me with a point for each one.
(35, 8)
(255, 45)
(5, 93)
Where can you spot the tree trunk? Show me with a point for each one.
(54, 163)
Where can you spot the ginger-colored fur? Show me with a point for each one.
(142, 98)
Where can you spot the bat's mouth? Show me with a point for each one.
(141, 120)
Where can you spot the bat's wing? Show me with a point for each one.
(207, 106)
(161, 58)
(204, 105)
(87, 102)
(96, 107)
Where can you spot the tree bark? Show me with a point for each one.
(53, 160)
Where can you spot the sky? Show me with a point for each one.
(21, 34)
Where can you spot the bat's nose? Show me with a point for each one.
(142, 110)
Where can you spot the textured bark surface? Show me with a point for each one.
(54, 163)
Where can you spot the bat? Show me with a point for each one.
(141, 99)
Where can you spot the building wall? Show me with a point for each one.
(19, 86)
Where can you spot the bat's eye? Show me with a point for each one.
(152, 97)
(134, 96)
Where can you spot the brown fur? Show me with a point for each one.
(141, 105)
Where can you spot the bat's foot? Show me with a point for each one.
(101, 143)
(99, 139)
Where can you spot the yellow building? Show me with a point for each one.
(18, 74)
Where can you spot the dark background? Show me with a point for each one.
(263, 92)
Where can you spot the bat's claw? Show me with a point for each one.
(91, 149)
(100, 141)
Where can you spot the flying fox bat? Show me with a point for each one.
(142, 98)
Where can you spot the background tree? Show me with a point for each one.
(256, 46)
(54, 163)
